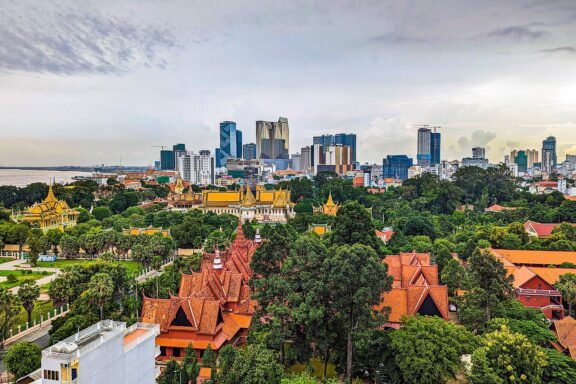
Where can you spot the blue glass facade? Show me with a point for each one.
(396, 166)
(228, 142)
(435, 148)
(238, 144)
(249, 151)
(167, 160)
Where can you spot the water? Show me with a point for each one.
(23, 177)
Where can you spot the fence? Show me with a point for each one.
(144, 273)
(22, 330)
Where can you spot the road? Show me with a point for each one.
(39, 337)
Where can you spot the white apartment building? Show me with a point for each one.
(106, 352)
(196, 168)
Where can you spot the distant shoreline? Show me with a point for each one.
(77, 168)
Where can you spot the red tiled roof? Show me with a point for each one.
(499, 208)
(565, 330)
(414, 280)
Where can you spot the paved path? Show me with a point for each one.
(17, 265)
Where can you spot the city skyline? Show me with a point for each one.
(158, 73)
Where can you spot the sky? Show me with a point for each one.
(92, 82)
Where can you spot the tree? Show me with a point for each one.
(70, 246)
(190, 367)
(53, 238)
(453, 275)
(356, 278)
(100, 291)
(70, 326)
(427, 349)
(100, 213)
(535, 330)
(561, 369)
(354, 226)
(19, 234)
(9, 307)
(255, 364)
(567, 286)
(170, 374)
(209, 357)
(490, 286)
(507, 358)
(22, 359)
(37, 244)
(226, 358)
(28, 293)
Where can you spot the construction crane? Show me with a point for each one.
(160, 146)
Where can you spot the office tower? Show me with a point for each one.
(228, 142)
(507, 159)
(167, 160)
(475, 161)
(396, 166)
(306, 158)
(249, 151)
(479, 153)
(238, 144)
(549, 160)
(317, 156)
(435, 147)
(296, 162)
(272, 139)
(423, 153)
(521, 160)
(348, 139)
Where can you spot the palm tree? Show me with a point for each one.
(100, 291)
(28, 294)
(567, 286)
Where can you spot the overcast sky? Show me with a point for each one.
(89, 82)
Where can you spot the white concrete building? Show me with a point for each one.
(196, 168)
(106, 352)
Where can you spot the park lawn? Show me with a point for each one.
(21, 277)
(6, 259)
(318, 367)
(41, 308)
(132, 266)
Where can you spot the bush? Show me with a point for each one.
(22, 272)
(11, 278)
(44, 273)
(29, 272)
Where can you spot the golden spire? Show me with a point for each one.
(50, 197)
(179, 187)
(249, 199)
(330, 202)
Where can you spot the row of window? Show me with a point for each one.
(51, 375)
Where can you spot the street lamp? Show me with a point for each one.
(180, 375)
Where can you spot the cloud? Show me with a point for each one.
(67, 40)
(567, 49)
(478, 138)
(518, 32)
(396, 39)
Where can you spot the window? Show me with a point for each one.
(539, 286)
(162, 351)
(51, 375)
(176, 352)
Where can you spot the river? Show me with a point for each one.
(23, 177)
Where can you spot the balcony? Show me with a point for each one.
(538, 292)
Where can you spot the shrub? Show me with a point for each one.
(11, 278)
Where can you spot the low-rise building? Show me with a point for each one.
(106, 352)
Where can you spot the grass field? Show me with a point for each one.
(34, 275)
(317, 366)
(132, 266)
(5, 259)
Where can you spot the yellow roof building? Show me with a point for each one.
(330, 208)
(50, 213)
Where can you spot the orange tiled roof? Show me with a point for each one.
(499, 208)
(551, 275)
(542, 230)
(414, 280)
(565, 330)
(529, 257)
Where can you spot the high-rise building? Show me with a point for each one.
(197, 168)
(167, 160)
(272, 140)
(521, 160)
(228, 142)
(549, 160)
(479, 152)
(340, 156)
(531, 157)
(423, 153)
(106, 352)
(429, 146)
(249, 151)
(306, 159)
(348, 139)
(396, 166)
(238, 144)
(296, 162)
(435, 147)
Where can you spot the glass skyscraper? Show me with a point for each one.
(549, 160)
(228, 143)
(435, 148)
(428, 151)
(396, 166)
(238, 144)
(272, 140)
